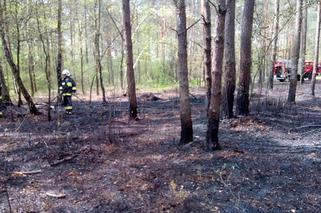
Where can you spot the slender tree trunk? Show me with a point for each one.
(316, 51)
(4, 92)
(214, 108)
(81, 25)
(263, 57)
(185, 108)
(243, 96)
(229, 61)
(18, 48)
(295, 53)
(30, 42)
(46, 50)
(303, 42)
(207, 37)
(274, 43)
(86, 33)
(98, 56)
(60, 43)
(130, 63)
(121, 67)
(110, 64)
(71, 29)
(31, 68)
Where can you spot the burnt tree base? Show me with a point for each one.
(212, 142)
(133, 113)
(228, 103)
(186, 134)
(242, 105)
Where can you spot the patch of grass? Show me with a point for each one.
(157, 87)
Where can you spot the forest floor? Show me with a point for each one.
(96, 160)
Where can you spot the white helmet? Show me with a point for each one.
(66, 72)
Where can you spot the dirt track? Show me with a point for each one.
(271, 160)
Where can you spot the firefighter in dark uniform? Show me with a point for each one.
(67, 89)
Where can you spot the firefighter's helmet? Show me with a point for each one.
(66, 72)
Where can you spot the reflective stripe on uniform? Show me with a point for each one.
(68, 107)
(74, 88)
(69, 84)
(67, 94)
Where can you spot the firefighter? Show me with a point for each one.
(67, 89)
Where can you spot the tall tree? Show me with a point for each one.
(316, 51)
(274, 43)
(60, 43)
(229, 61)
(214, 109)
(207, 37)
(46, 51)
(131, 90)
(185, 107)
(99, 68)
(243, 93)
(303, 44)
(295, 52)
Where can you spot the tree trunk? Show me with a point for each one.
(30, 42)
(316, 51)
(4, 92)
(242, 102)
(15, 72)
(274, 43)
(295, 53)
(185, 108)
(81, 56)
(215, 101)
(130, 63)
(86, 33)
(207, 37)
(229, 61)
(60, 44)
(110, 64)
(31, 67)
(97, 54)
(46, 50)
(303, 42)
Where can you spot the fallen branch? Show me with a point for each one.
(27, 172)
(307, 126)
(193, 96)
(55, 194)
(63, 160)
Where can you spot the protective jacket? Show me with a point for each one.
(68, 86)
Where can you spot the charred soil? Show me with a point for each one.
(97, 160)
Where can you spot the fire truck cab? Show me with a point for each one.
(282, 70)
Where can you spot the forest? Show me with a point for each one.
(160, 106)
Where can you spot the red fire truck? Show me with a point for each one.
(282, 70)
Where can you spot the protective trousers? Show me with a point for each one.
(67, 102)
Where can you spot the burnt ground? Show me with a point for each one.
(99, 161)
